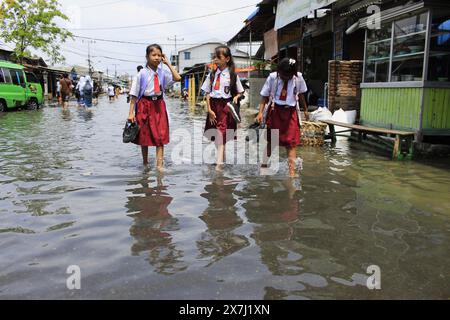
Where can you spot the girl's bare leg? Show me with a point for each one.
(292, 157)
(220, 156)
(144, 155)
(160, 158)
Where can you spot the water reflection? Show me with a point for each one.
(85, 114)
(274, 207)
(221, 219)
(66, 115)
(153, 225)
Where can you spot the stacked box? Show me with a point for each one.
(344, 78)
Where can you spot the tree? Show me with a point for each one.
(31, 24)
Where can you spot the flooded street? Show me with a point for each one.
(71, 193)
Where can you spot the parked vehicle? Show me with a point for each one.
(19, 88)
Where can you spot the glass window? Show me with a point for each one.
(17, 76)
(7, 75)
(439, 61)
(409, 48)
(2, 77)
(187, 55)
(378, 54)
(31, 77)
(21, 76)
(406, 57)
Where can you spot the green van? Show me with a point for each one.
(18, 87)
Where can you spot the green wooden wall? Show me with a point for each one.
(436, 113)
(396, 108)
(399, 108)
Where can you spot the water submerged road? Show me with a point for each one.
(71, 193)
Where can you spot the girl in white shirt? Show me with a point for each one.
(284, 90)
(147, 105)
(221, 87)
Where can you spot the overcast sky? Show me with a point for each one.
(86, 14)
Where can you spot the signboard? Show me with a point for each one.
(270, 44)
(289, 11)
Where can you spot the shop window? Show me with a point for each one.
(378, 54)
(409, 48)
(439, 61)
(396, 52)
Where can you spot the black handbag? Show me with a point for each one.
(130, 131)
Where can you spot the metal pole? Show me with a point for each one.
(250, 52)
(175, 39)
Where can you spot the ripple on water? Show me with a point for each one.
(72, 193)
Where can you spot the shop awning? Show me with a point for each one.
(257, 23)
(289, 11)
(391, 13)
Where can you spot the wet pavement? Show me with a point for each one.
(71, 193)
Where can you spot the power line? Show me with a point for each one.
(130, 42)
(105, 57)
(102, 4)
(108, 51)
(170, 21)
(159, 1)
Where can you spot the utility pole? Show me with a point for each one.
(89, 55)
(115, 70)
(175, 39)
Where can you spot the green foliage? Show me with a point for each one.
(31, 24)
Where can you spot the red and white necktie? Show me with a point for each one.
(283, 94)
(217, 84)
(156, 86)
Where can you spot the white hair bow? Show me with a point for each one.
(292, 62)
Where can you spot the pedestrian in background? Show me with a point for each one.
(88, 91)
(66, 90)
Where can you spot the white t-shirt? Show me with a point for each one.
(299, 87)
(150, 90)
(111, 91)
(225, 80)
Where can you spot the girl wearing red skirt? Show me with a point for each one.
(280, 96)
(221, 87)
(147, 105)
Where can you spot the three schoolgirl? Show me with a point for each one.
(281, 95)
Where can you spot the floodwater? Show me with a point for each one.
(71, 193)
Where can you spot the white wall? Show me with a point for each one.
(200, 54)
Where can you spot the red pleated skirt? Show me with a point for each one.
(286, 121)
(225, 121)
(153, 122)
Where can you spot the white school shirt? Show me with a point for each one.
(150, 90)
(224, 90)
(290, 99)
(111, 91)
(80, 84)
